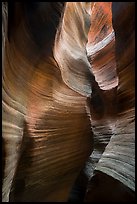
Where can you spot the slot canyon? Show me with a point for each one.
(68, 102)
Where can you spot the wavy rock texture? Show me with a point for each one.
(101, 46)
(101, 55)
(118, 159)
(70, 49)
(120, 153)
(68, 93)
(47, 134)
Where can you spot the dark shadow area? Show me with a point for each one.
(3, 158)
(18, 185)
(79, 188)
(104, 188)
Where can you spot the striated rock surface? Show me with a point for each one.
(118, 159)
(47, 134)
(101, 46)
(101, 55)
(68, 99)
(120, 153)
(70, 48)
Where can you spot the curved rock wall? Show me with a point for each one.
(68, 91)
(120, 153)
(47, 134)
(118, 158)
(101, 46)
(101, 55)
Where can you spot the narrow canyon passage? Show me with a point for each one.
(68, 101)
